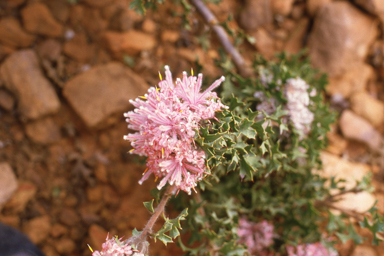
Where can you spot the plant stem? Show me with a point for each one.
(211, 20)
(159, 209)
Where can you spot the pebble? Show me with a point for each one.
(99, 93)
(357, 128)
(25, 192)
(313, 6)
(340, 37)
(334, 166)
(149, 26)
(43, 131)
(282, 7)
(5, 51)
(37, 229)
(65, 246)
(13, 35)
(69, 217)
(96, 3)
(256, 13)
(363, 250)
(352, 81)
(8, 183)
(295, 40)
(7, 101)
(58, 230)
(97, 236)
(14, 3)
(170, 36)
(36, 96)
(95, 194)
(49, 49)
(264, 43)
(38, 19)
(79, 49)
(368, 107)
(372, 6)
(130, 42)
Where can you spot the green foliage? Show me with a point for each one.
(172, 227)
(261, 166)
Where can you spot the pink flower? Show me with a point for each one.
(315, 249)
(257, 236)
(166, 120)
(114, 247)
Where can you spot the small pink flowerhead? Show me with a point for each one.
(166, 120)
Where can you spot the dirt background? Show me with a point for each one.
(68, 69)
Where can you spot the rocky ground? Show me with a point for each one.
(68, 69)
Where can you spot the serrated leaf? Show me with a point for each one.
(149, 206)
(136, 233)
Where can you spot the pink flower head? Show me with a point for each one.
(166, 120)
(114, 247)
(257, 236)
(315, 249)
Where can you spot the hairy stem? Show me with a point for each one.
(211, 20)
(159, 210)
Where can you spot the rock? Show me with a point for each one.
(69, 217)
(264, 43)
(43, 131)
(5, 51)
(170, 36)
(363, 250)
(357, 128)
(8, 183)
(11, 34)
(96, 3)
(256, 13)
(14, 3)
(368, 107)
(37, 229)
(149, 26)
(372, 6)
(334, 166)
(101, 173)
(25, 192)
(102, 91)
(59, 9)
(35, 95)
(79, 49)
(340, 37)
(93, 22)
(191, 55)
(49, 49)
(131, 42)
(58, 230)
(64, 246)
(336, 143)
(7, 101)
(49, 250)
(97, 236)
(282, 7)
(313, 6)
(95, 194)
(353, 81)
(37, 19)
(295, 41)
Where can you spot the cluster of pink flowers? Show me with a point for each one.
(257, 236)
(298, 100)
(166, 120)
(116, 247)
(315, 249)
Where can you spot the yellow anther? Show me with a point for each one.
(192, 71)
(161, 78)
(143, 97)
(157, 98)
(156, 179)
(90, 248)
(131, 150)
(181, 111)
(162, 152)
